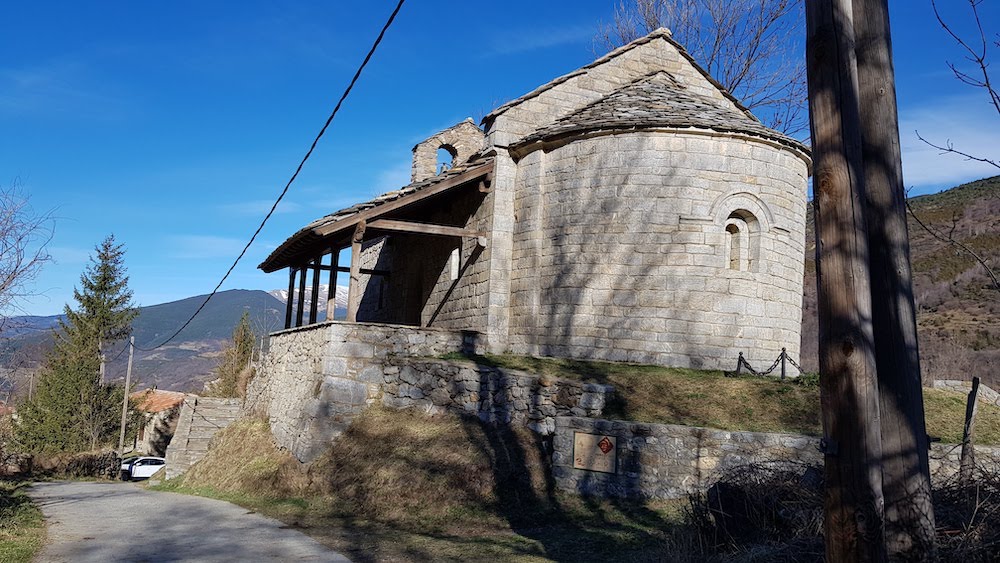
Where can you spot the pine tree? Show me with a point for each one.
(234, 371)
(73, 409)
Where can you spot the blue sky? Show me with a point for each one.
(175, 125)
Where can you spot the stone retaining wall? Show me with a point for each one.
(668, 461)
(496, 395)
(315, 379)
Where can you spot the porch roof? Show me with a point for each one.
(340, 224)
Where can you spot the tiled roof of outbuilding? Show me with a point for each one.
(156, 400)
(307, 238)
(654, 101)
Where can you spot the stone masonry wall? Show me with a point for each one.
(314, 380)
(495, 395)
(462, 140)
(620, 250)
(666, 461)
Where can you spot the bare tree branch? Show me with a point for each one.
(24, 235)
(979, 77)
(750, 46)
(949, 147)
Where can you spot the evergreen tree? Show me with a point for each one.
(234, 371)
(73, 409)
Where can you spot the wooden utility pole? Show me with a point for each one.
(854, 516)
(128, 383)
(909, 512)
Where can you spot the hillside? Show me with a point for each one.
(184, 364)
(958, 310)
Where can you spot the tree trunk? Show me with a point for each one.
(909, 513)
(853, 503)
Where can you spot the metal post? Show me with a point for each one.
(782, 363)
(739, 365)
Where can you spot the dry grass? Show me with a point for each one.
(708, 398)
(404, 486)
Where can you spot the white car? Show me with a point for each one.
(141, 467)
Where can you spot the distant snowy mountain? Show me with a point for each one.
(340, 298)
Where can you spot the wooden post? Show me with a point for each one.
(354, 292)
(854, 517)
(314, 299)
(968, 462)
(288, 301)
(301, 301)
(331, 294)
(128, 383)
(909, 512)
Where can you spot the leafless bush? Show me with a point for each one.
(24, 234)
(763, 512)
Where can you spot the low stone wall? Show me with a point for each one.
(314, 380)
(986, 394)
(667, 461)
(495, 395)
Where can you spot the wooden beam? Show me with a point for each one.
(314, 300)
(365, 271)
(854, 521)
(288, 300)
(423, 228)
(354, 290)
(368, 214)
(906, 482)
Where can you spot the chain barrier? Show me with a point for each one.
(742, 363)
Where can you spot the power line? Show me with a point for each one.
(312, 147)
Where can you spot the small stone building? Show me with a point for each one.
(631, 210)
(159, 409)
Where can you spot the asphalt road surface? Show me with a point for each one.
(104, 522)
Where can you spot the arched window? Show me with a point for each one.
(446, 155)
(742, 241)
(734, 246)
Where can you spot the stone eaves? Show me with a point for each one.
(307, 239)
(655, 101)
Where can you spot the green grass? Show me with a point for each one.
(22, 528)
(690, 397)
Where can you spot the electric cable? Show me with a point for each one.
(312, 147)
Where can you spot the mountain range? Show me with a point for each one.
(957, 305)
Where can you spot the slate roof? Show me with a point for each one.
(306, 238)
(659, 33)
(657, 100)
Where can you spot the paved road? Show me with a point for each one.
(104, 522)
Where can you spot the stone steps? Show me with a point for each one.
(199, 420)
